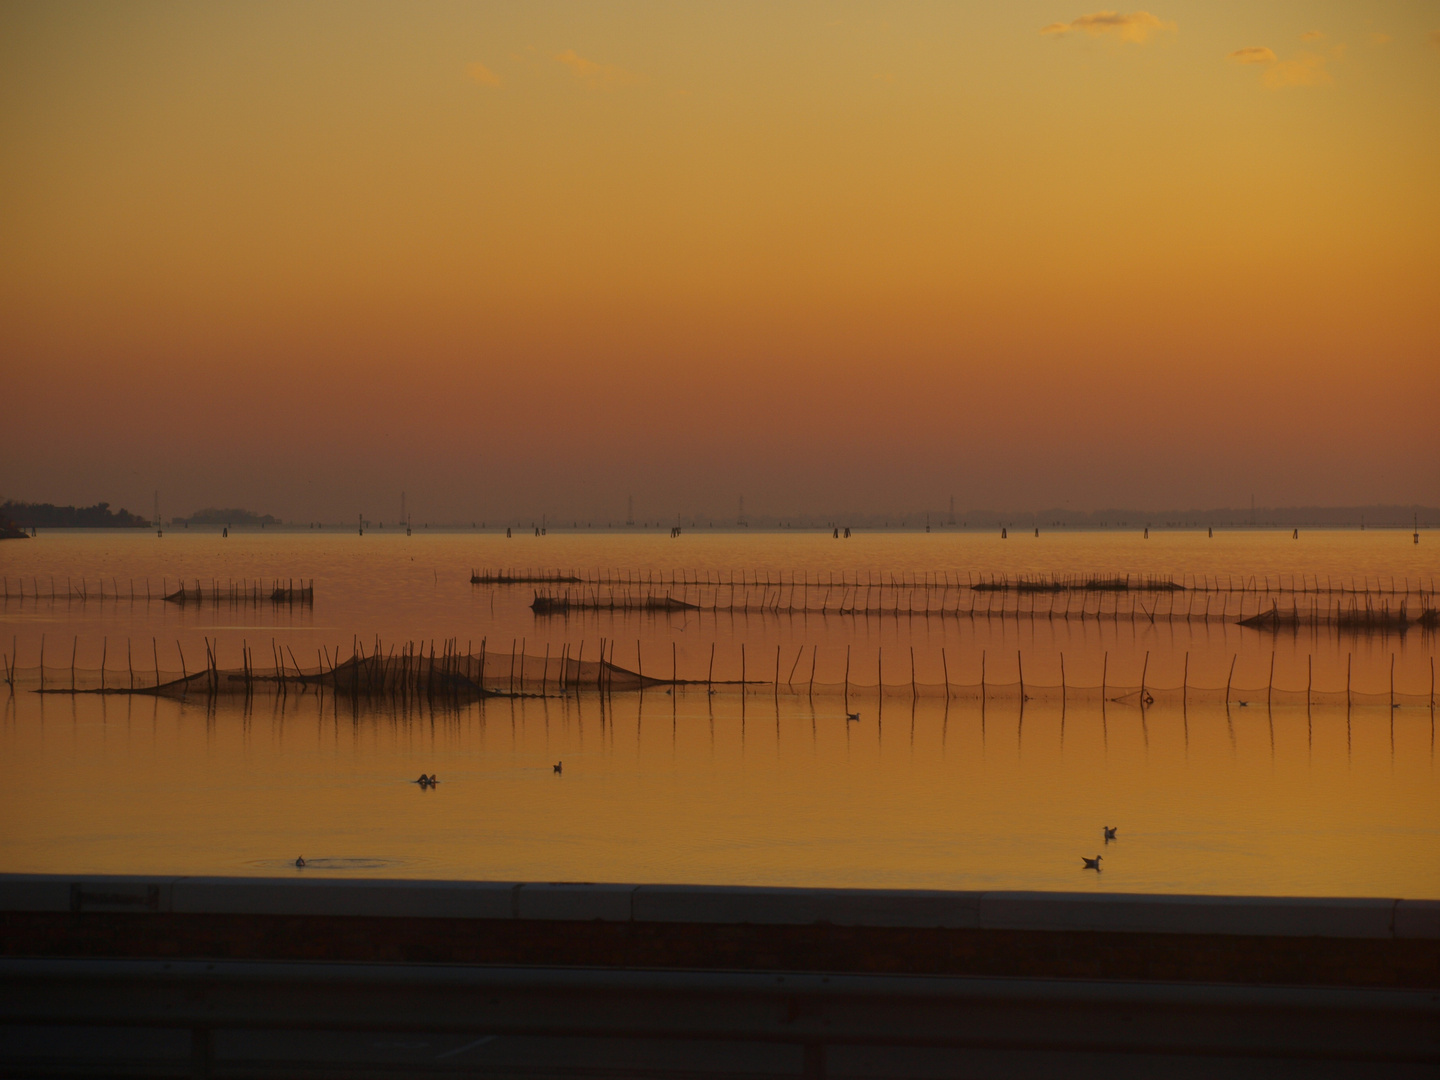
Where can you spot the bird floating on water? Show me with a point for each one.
(1109, 833)
(426, 781)
(300, 861)
(852, 716)
(1091, 864)
(557, 766)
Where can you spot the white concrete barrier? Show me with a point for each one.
(1329, 917)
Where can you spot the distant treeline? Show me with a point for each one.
(50, 516)
(231, 516)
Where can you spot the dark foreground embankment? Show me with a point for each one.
(316, 976)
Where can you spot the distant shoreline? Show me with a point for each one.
(521, 532)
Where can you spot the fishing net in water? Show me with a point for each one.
(409, 674)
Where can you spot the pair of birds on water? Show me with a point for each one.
(1094, 864)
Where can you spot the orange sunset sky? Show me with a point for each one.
(533, 258)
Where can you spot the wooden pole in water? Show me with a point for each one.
(1270, 688)
(639, 668)
(847, 674)
(777, 671)
(155, 650)
(1062, 680)
(710, 674)
(742, 668)
(42, 663)
(76, 648)
(1309, 677)
(512, 664)
(945, 666)
(1185, 681)
(674, 668)
(130, 663)
(1104, 673)
(914, 690)
(790, 681)
(1392, 669)
(1144, 669)
(185, 673)
(1020, 667)
(815, 652)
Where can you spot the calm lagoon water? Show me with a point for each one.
(772, 787)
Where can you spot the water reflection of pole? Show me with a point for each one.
(879, 681)
(1392, 707)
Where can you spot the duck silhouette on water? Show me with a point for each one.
(1109, 833)
(300, 862)
(558, 767)
(852, 716)
(1091, 864)
(426, 781)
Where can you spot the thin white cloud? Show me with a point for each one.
(1307, 70)
(1253, 54)
(1135, 27)
(597, 76)
(479, 73)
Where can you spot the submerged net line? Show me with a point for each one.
(215, 592)
(409, 672)
(941, 580)
(774, 601)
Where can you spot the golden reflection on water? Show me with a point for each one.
(692, 788)
(401, 589)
